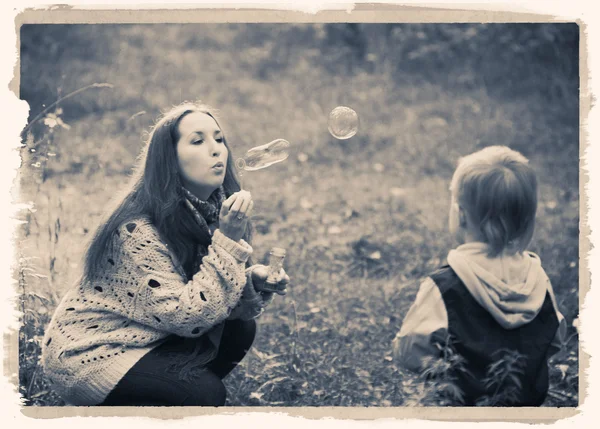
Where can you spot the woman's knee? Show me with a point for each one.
(209, 392)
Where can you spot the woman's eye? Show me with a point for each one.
(219, 139)
(197, 141)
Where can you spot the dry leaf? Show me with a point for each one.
(334, 229)
(378, 167)
(397, 192)
(305, 203)
(375, 255)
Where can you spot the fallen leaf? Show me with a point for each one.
(362, 373)
(350, 213)
(305, 203)
(398, 192)
(334, 229)
(435, 122)
(375, 255)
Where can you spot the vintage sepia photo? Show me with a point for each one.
(300, 214)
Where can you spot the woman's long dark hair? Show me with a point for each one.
(155, 193)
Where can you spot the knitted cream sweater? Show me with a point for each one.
(103, 327)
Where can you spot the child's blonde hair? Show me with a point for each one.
(497, 188)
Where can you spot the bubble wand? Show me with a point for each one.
(258, 158)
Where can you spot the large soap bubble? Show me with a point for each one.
(260, 157)
(343, 123)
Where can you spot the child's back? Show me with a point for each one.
(500, 308)
(493, 303)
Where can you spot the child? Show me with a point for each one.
(493, 297)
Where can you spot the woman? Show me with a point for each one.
(166, 305)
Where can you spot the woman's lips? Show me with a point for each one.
(219, 167)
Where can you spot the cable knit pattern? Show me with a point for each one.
(103, 327)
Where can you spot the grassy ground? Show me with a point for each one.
(363, 220)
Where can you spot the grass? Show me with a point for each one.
(363, 220)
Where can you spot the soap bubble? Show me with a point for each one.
(240, 164)
(343, 122)
(260, 157)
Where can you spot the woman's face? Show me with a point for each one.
(201, 153)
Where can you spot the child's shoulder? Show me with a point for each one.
(444, 272)
(535, 260)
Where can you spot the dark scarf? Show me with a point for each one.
(206, 214)
(206, 211)
(201, 350)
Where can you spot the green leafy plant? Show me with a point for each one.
(503, 379)
(436, 384)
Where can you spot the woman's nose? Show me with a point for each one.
(215, 150)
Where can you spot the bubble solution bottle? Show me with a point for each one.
(276, 257)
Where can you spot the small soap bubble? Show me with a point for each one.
(264, 156)
(240, 164)
(343, 123)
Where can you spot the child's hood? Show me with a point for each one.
(511, 287)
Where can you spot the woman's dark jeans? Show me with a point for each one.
(150, 382)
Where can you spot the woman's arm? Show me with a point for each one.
(426, 319)
(164, 300)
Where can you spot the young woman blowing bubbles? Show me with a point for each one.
(166, 304)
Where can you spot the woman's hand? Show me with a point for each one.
(233, 218)
(259, 276)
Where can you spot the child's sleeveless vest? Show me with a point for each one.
(481, 341)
